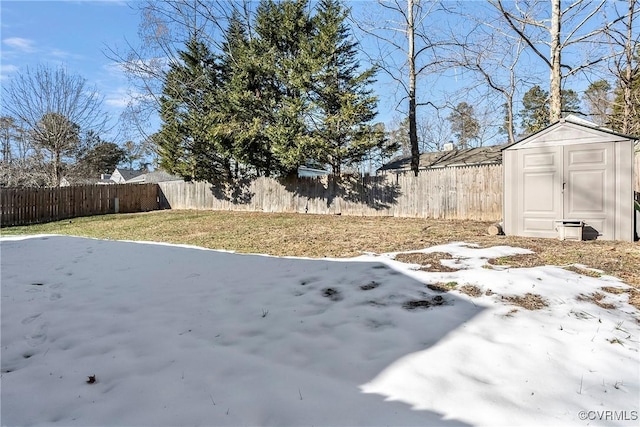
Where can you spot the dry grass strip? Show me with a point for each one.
(583, 271)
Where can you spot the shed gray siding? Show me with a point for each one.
(570, 171)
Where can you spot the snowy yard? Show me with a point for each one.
(99, 332)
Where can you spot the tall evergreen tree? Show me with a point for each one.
(343, 101)
(265, 78)
(187, 143)
(464, 124)
(535, 108)
(570, 102)
(245, 110)
(284, 33)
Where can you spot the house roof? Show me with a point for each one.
(489, 155)
(128, 174)
(306, 171)
(155, 177)
(76, 180)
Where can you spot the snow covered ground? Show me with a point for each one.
(186, 336)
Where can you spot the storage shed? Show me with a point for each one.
(572, 173)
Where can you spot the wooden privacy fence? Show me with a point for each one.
(471, 192)
(22, 206)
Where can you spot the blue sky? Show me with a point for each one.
(74, 34)
(77, 34)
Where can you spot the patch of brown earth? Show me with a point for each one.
(471, 290)
(597, 298)
(429, 262)
(442, 287)
(529, 301)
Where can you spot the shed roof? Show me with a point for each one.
(570, 130)
(489, 155)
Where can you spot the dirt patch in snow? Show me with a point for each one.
(529, 301)
(429, 262)
(442, 287)
(471, 290)
(598, 299)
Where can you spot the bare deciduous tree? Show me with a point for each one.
(580, 25)
(625, 68)
(484, 45)
(408, 48)
(53, 106)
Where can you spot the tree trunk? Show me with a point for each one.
(413, 129)
(495, 230)
(56, 168)
(628, 77)
(510, 121)
(555, 103)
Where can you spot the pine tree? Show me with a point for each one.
(464, 124)
(343, 101)
(243, 112)
(284, 30)
(535, 110)
(570, 103)
(187, 143)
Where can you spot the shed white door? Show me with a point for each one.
(566, 182)
(540, 196)
(589, 192)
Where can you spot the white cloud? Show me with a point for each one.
(116, 101)
(123, 97)
(6, 69)
(19, 43)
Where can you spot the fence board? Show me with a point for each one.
(636, 185)
(23, 206)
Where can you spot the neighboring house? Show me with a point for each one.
(572, 173)
(68, 181)
(154, 178)
(123, 176)
(490, 155)
(305, 171)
